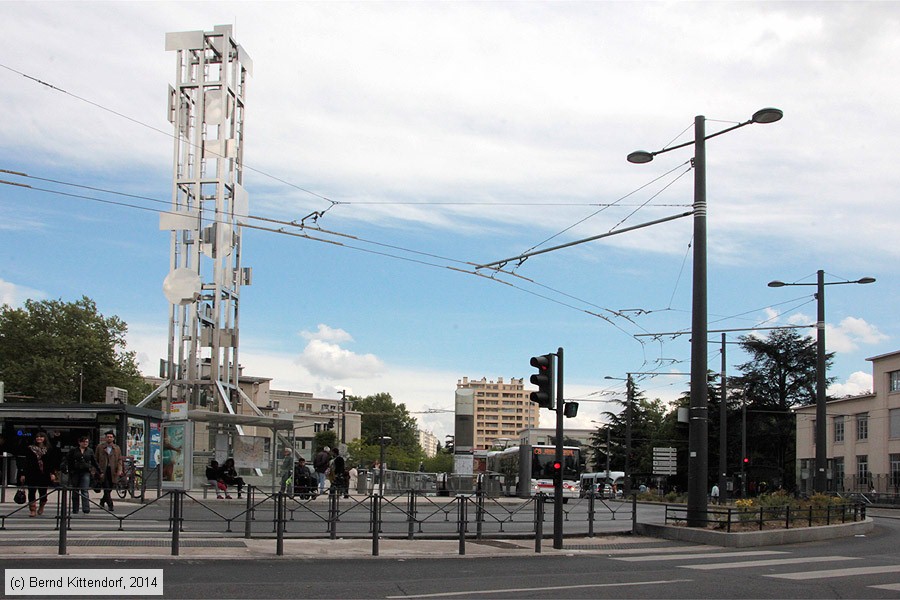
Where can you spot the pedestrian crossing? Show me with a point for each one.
(811, 568)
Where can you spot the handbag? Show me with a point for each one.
(20, 496)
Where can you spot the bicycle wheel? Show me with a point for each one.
(122, 487)
(135, 488)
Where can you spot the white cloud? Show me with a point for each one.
(852, 332)
(324, 359)
(15, 295)
(857, 383)
(328, 334)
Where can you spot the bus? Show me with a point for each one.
(602, 483)
(524, 471)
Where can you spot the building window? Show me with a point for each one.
(895, 381)
(895, 471)
(862, 426)
(862, 469)
(838, 473)
(839, 429)
(895, 423)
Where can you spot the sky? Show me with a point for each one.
(447, 135)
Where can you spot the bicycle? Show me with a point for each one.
(131, 480)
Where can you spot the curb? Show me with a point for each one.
(750, 539)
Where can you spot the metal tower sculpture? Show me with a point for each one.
(209, 205)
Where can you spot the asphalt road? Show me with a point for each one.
(859, 567)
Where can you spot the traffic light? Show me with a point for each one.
(543, 379)
(571, 409)
(746, 461)
(330, 424)
(557, 471)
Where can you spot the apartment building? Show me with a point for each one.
(502, 409)
(863, 435)
(428, 441)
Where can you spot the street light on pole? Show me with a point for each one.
(698, 459)
(820, 481)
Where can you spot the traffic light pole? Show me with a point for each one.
(557, 482)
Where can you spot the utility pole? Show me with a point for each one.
(343, 419)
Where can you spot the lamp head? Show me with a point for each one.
(640, 157)
(866, 280)
(777, 284)
(767, 115)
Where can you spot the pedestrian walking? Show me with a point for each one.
(111, 466)
(40, 470)
(714, 494)
(82, 467)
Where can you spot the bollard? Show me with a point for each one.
(247, 526)
(63, 520)
(463, 522)
(538, 522)
(479, 514)
(634, 513)
(411, 514)
(279, 523)
(375, 522)
(176, 522)
(591, 496)
(333, 513)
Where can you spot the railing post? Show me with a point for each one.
(810, 515)
(247, 524)
(538, 522)
(462, 518)
(761, 509)
(634, 513)
(479, 513)
(787, 517)
(63, 519)
(279, 523)
(590, 514)
(728, 525)
(176, 521)
(375, 521)
(332, 513)
(828, 514)
(411, 514)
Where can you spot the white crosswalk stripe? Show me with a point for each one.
(772, 562)
(694, 556)
(894, 587)
(848, 572)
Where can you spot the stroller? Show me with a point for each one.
(306, 486)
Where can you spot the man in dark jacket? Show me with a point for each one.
(320, 466)
(81, 465)
(338, 469)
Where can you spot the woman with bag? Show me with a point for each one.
(40, 470)
(82, 466)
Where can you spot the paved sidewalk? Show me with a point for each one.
(229, 548)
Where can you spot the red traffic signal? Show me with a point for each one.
(543, 379)
(746, 460)
(557, 465)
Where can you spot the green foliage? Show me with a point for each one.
(442, 462)
(381, 417)
(56, 352)
(324, 438)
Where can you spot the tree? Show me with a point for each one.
(62, 352)
(647, 417)
(382, 417)
(780, 374)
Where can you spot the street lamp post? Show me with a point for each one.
(381, 441)
(698, 434)
(820, 481)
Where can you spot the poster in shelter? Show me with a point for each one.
(250, 452)
(134, 440)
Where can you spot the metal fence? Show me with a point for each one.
(781, 517)
(263, 514)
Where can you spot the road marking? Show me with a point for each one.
(838, 572)
(652, 557)
(547, 588)
(895, 587)
(768, 563)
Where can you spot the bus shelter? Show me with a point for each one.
(254, 441)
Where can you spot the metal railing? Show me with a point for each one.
(780, 517)
(407, 515)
